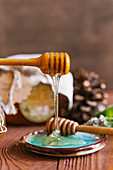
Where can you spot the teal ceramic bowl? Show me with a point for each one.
(93, 143)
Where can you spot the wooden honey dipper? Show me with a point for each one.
(49, 62)
(69, 127)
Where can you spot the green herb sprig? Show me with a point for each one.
(104, 118)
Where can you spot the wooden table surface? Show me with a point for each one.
(13, 156)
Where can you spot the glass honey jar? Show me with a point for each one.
(27, 94)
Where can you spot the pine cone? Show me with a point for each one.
(88, 96)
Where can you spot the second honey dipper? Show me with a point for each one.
(68, 127)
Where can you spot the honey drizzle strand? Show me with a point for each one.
(56, 79)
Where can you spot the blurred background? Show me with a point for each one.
(84, 29)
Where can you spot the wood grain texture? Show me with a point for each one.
(87, 162)
(97, 161)
(14, 156)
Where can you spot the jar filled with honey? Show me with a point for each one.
(27, 94)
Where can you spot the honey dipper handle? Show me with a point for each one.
(21, 62)
(95, 129)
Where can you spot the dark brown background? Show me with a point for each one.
(84, 29)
